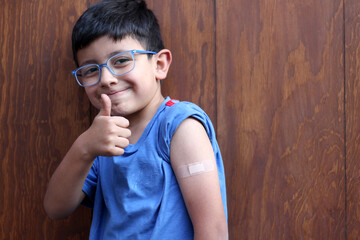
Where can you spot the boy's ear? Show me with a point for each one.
(163, 61)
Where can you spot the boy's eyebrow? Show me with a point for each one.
(115, 52)
(92, 61)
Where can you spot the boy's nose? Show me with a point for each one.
(107, 78)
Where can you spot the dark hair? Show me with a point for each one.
(117, 19)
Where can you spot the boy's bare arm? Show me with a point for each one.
(107, 136)
(64, 192)
(201, 192)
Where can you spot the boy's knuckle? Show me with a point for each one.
(126, 142)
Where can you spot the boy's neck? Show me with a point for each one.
(141, 119)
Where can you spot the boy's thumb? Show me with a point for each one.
(105, 109)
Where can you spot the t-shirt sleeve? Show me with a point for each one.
(89, 187)
(175, 115)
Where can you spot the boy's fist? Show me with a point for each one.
(107, 135)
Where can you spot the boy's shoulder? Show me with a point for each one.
(179, 105)
(176, 111)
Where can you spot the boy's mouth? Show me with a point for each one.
(113, 93)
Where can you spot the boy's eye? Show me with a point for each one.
(121, 61)
(89, 71)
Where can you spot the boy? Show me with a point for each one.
(149, 166)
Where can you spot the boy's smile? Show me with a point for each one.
(131, 93)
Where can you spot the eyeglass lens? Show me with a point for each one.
(118, 64)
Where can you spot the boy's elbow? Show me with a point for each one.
(49, 211)
(55, 215)
(57, 206)
(52, 216)
(53, 212)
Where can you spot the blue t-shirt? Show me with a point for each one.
(136, 195)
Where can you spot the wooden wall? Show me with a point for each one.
(280, 80)
(283, 102)
(352, 116)
(42, 111)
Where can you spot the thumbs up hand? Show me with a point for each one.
(107, 135)
(106, 106)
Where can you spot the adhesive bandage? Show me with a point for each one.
(195, 168)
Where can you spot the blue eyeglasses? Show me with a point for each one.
(119, 64)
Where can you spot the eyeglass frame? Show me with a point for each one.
(132, 52)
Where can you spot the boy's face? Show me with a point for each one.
(128, 93)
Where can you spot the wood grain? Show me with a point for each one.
(352, 77)
(280, 101)
(188, 30)
(41, 113)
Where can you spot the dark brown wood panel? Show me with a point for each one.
(352, 90)
(188, 30)
(281, 117)
(41, 112)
